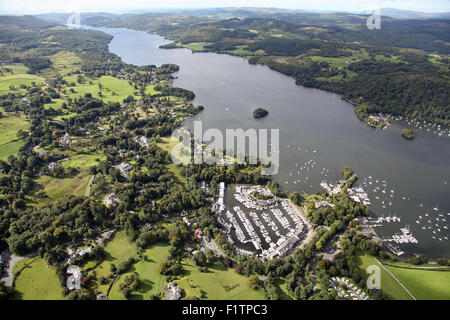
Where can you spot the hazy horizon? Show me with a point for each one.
(116, 6)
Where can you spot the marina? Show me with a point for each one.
(266, 228)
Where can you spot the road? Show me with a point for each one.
(88, 189)
(311, 233)
(13, 259)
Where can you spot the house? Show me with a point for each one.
(323, 204)
(173, 291)
(124, 168)
(111, 200)
(74, 277)
(198, 233)
(101, 296)
(53, 166)
(65, 140)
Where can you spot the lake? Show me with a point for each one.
(319, 134)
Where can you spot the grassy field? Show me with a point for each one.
(58, 188)
(65, 62)
(17, 80)
(196, 46)
(11, 148)
(424, 284)
(220, 283)
(389, 286)
(148, 274)
(10, 125)
(113, 89)
(37, 281)
(150, 89)
(119, 249)
(15, 69)
(167, 144)
(55, 104)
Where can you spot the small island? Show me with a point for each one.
(408, 134)
(260, 113)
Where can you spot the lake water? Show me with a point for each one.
(319, 134)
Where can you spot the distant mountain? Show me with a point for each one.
(409, 14)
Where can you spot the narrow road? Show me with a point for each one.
(444, 268)
(13, 259)
(88, 189)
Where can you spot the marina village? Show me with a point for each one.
(258, 222)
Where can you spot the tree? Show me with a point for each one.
(253, 282)
(126, 292)
(260, 113)
(199, 259)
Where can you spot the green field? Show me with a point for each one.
(150, 89)
(58, 188)
(17, 80)
(113, 89)
(148, 274)
(55, 104)
(220, 283)
(37, 281)
(389, 286)
(65, 62)
(119, 249)
(10, 149)
(424, 284)
(196, 46)
(167, 144)
(10, 125)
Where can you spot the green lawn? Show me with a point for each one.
(11, 148)
(196, 46)
(37, 281)
(167, 144)
(424, 284)
(58, 188)
(65, 62)
(389, 286)
(119, 249)
(55, 104)
(10, 124)
(150, 89)
(148, 274)
(113, 89)
(220, 283)
(17, 80)
(15, 68)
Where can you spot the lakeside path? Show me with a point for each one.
(392, 275)
(436, 268)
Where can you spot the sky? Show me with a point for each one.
(45, 6)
